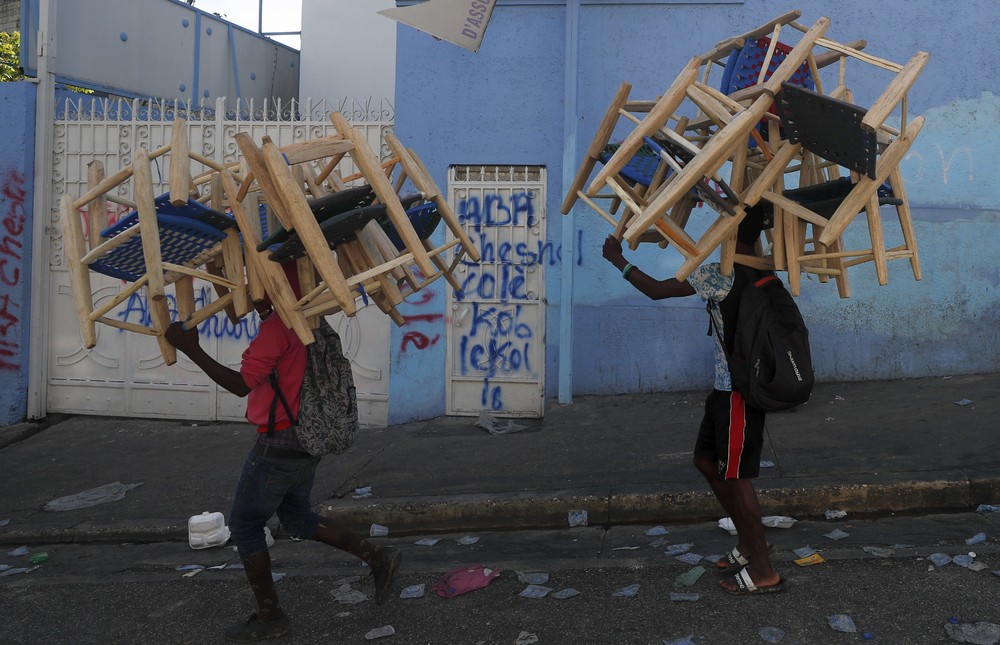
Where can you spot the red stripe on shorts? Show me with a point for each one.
(737, 434)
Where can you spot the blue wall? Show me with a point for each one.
(17, 159)
(505, 105)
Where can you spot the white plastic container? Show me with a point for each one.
(207, 530)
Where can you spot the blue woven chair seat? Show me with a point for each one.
(187, 234)
(640, 167)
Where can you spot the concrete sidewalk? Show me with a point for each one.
(874, 447)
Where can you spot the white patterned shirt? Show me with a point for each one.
(713, 287)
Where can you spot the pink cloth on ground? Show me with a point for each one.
(464, 580)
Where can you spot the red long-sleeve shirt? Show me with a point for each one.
(275, 347)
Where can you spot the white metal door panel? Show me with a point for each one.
(496, 335)
(124, 374)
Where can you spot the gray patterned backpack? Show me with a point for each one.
(328, 406)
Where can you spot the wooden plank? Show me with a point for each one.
(304, 223)
(184, 293)
(97, 209)
(180, 165)
(895, 92)
(79, 274)
(255, 161)
(315, 149)
(657, 117)
(604, 130)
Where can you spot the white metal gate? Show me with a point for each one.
(496, 337)
(124, 375)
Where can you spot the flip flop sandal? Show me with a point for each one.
(735, 560)
(745, 585)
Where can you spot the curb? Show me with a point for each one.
(545, 510)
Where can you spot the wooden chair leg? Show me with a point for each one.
(79, 275)
(906, 221)
(184, 293)
(878, 240)
(97, 210)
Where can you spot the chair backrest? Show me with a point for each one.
(744, 65)
(827, 127)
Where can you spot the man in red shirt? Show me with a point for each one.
(278, 473)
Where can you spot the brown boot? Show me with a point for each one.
(383, 560)
(269, 621)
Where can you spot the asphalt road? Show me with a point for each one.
(135, 594)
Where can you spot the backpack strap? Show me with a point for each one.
(272, 414)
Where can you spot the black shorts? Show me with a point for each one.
(731, 435)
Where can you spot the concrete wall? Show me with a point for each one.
(359, 62)
(10, 15)
(506, 105)
(17, 158)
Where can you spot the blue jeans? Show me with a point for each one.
(268, 486)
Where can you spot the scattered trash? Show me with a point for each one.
(413, 591)
(19, 551)
(976, 539)
(977, 566)
(808, 561)
(678, 549)
(981, 633)
(345, 595)
(467, 540)
(493, 425)
(101, 495)
(829, 418)
(13, 572)
(278, 576)
(687, 640)
(535, 591)
(689, 558)
(939, 559)
(878, 552)
(715, 557)
(963, 560)
(427, 541)
(193, 573)
(4, 522)
(804, 551)
(577, 518)
(997, 573)
(988, 508)
(726, 524)
(378, 530)
(684, 597)
(625, 548)
(207, 530)
(364, 492)
(842, 623)
(766, 464)
(771, 634)
(689, 578)
(839, 398)
(380, 632)
(464, 580)
(658, 542)
(867, 636)
(347, 580)
(533, 578)
(4, 567)
(900, 547)
(657, 530)
(835, 514)
(778, 521)
(626, 592)
(964, 402)
(563, 594)
(39, 558)
(526, 638)
(836, 534)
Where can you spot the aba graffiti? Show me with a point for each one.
(497, 210)
(136, 310)
(499, 343)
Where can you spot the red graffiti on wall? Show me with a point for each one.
(420, 339)
(11, 257)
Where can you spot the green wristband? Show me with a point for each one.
(627, 269)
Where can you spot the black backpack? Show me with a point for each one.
(769, 359)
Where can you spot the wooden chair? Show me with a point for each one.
(860, 141)
(171, 239)
(723, 128)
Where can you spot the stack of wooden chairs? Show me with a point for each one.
(770, 132)
(355, 237)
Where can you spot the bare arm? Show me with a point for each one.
(186, 340)
(651, 287)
